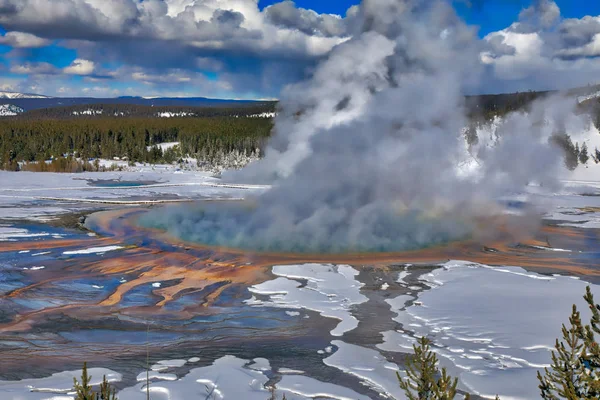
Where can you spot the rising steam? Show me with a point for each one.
(370, 154)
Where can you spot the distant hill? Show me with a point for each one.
(94, 111)
(478, 106)
(15, 95)
(34, 102)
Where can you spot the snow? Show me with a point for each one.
(594, 95)
(552, 249)
(9, 110)
(309, 388)
(15, 95)
(493, 327)
(89, 111)
(164, 146)
(10, 234)
(170, 114)
(233, 378)
(290, 371)
(53, 387)
(93, 250)
(331, 290)
(369, 366)
(42, 196)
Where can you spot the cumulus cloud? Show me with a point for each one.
(41, 68)
(286, 14)
(23, 40)
(261, 50)
(543, 51)
(230, 36)
(80, 67)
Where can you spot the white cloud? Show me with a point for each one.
(41, 68)
(23, 40)
(547, 52)
(80, 67)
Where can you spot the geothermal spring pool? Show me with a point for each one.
(224, 323)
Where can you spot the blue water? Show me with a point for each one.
(118, 184)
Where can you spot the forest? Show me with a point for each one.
(131, 138)
(70, 138)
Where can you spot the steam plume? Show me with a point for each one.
(369, 154)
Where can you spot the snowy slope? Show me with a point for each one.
(15, 95)
(8, 110)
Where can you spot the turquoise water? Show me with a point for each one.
(118, 184)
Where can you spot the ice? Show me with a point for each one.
(93, 250)
(331, 290)
(492, 327)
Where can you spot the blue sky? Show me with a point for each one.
(236, 49)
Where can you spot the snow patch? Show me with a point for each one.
(93, 250)
(331, 290)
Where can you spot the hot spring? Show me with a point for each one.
(249, 226)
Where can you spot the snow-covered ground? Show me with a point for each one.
(9, 110)
(40, 196)
(493, 327)
(227, 378)
(164, 146)
(331, 291)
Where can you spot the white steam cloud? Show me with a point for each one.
(370, 153)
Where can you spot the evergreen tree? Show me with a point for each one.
(565, 379)
(596, 156)
(574, 372)
(425, 381)
(106, 391)
(83, 391)
(591, 354)
(583, 154)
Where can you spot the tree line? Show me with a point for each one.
(133, 139)
(145, 111)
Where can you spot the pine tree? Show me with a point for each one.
(425, 381)
(83, 390)
(596, 156)
(565, 378)
(591, 353)
(106, 391)
(583, 154)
